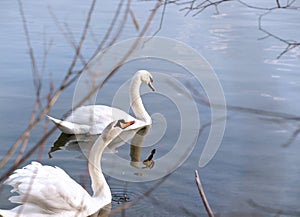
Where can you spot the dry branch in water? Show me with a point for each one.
(202, 194)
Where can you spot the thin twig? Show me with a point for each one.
(66, 33)
(112, 24)
(202, 194)
(98, 86)
(289, 43)
(134, 20)
(26, 31)
(27, 155)
(82, 39)
(161, 19)
(53, 98)
(199, 6)
(56, 94)
(122, 24)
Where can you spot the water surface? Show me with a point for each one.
(258, 160)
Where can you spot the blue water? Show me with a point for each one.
(258, 158)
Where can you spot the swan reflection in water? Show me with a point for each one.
(83, 142)
(136, 150)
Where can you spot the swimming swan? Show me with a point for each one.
(93, 119)
(46, 191)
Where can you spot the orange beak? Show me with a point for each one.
(126, 124)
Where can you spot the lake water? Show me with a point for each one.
(255, 172)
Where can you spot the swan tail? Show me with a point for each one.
(69, 127)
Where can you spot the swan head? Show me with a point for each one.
(123, 124)
(146, 78)
(115, 128)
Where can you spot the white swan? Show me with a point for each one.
(93, 119)
(46, 191)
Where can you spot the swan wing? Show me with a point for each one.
(49, 188)
(91, 114)
(69, 127)
(93, 119)
(99, 116)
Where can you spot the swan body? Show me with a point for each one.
(46, 191)
(93, 119)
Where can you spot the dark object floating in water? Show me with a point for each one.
(120, 198)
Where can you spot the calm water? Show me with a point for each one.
(258, 159)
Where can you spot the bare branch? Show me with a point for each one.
(202, 5)
(118, 65)
(290, 44)
(32, 59)
(202, 194)
(83, 36)
(27, 155)
(134, 19)
(57, 93)
(113, 22)
(66, 82)
(122, 24)
(67, 34)
(198, 6)
(161, 19)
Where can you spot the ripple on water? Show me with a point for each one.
(122, 196)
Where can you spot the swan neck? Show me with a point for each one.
(136, 101)
(98, 183)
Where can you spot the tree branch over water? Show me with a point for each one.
(290, 44)
(196, 7)
(70, 77)
(37, 117)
